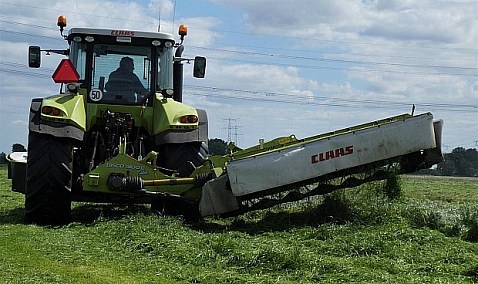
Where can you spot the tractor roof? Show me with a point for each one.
(119, 33)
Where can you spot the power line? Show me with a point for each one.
(25, 24)
(270, 55)
(257, 96)
(328, 52)
(308, 66)
(296, 57)
(299, 50)
(338, 41)
(83, 14)
(274, 96)
(256, 34)
(356, 69)
(32, 35)
(24, 73)
(308, 103)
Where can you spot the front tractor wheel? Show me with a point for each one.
(49, 174)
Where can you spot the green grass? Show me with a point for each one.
(357, 235)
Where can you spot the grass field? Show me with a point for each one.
(428, 235)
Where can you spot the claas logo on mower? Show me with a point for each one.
(327, 155)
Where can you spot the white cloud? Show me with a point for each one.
(403, 51)
(200, 30)
(263, 78)
(164, 7)
(441, 21)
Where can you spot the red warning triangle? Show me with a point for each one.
(65, 72)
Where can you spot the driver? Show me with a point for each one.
(124, 82)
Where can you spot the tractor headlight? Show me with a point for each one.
(168, 93)
(72, 88)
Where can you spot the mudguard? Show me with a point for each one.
(69, 124)
(167, 129)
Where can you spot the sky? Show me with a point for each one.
(275, 68)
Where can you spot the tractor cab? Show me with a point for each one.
(122, 66)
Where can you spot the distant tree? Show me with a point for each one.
(18, 148)
(460, 162)
(3, 158)
(217, 147)
(447, 167)
(472, 155)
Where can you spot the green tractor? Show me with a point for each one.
(118, 131)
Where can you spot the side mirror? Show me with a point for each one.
(199, 69)
(34, 56)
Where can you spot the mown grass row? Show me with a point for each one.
(377, 203)
(367, 235)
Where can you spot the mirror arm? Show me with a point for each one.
(57, 51)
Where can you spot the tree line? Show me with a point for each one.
(460, 162)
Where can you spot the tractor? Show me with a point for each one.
(118, 120)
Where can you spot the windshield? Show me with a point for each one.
(122, 74)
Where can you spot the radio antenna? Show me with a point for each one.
(174, 14)
(159, 20)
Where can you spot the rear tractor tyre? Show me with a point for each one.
(49, 174)
(183, 157)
